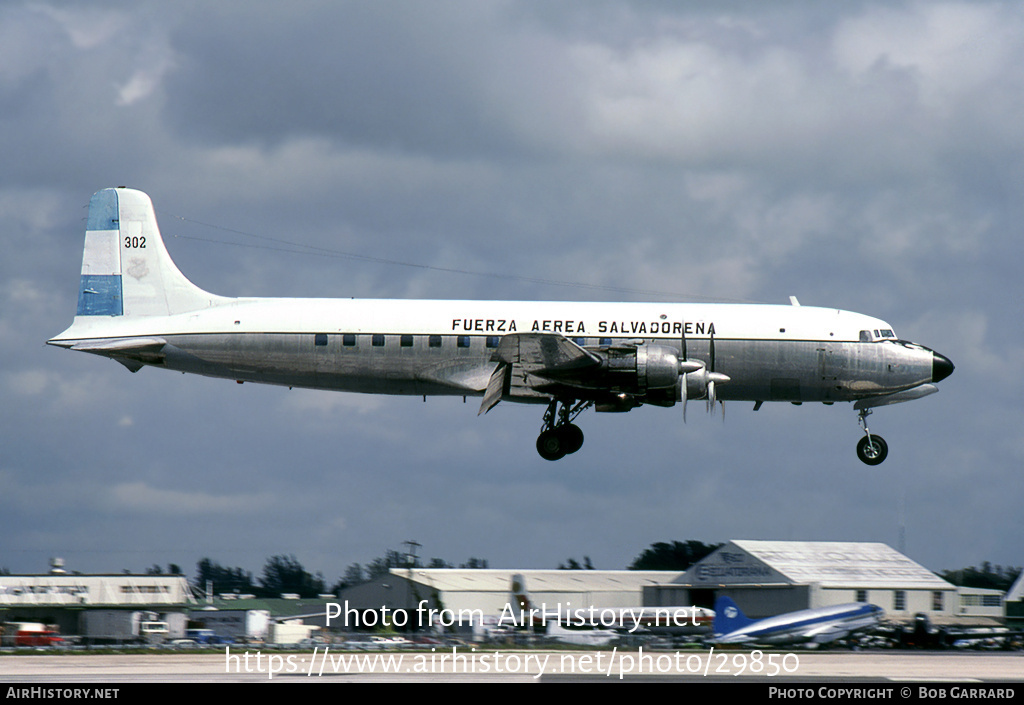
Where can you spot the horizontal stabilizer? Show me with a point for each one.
(133, 353)
(121, 345)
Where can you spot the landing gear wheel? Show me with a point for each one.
(572, 437)
(872, 450)
(551, 445)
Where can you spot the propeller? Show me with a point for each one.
(685, 367)
(714, 377)
(711, 369)
(682, 364)
(707, 373)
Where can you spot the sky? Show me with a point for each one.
(867, 156)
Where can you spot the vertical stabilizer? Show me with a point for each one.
(126, 270)
(729, 617)
(520, 597)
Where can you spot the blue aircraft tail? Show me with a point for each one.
(729, 617)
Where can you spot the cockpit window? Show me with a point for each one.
(867, 336)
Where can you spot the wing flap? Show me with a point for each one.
(497, 387)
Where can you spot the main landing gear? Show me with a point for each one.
(870, 449)
(559, 436)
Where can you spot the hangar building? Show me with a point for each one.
(1015, 602)
(490, 590)
(766, 578)
(62, 599)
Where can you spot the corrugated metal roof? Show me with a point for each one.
(840, 564)
(495, 580)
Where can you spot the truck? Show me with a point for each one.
(30, 634)
(123, 627)
(237, 625)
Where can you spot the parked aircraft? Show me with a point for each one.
(815, 626)
(136, 307)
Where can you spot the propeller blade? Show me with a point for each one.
(683, 383)
(711, 352)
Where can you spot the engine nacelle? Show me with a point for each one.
(657, 374)
(657, 366)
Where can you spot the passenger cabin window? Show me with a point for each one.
(434, 341)
(862, 596)
(606, 341)
(462, 341)
(492, 341)
(405, 341)
(320, 339)
(377, 340)
(348, 340)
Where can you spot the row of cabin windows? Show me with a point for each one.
(377, 340)
(899, 601)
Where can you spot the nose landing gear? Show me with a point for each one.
(559, 437)
(871, 449)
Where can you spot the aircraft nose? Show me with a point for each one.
(942, 367)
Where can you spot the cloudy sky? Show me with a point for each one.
(864, 155)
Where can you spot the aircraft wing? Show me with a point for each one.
(544, 354)
(540, 356)
(825, 633)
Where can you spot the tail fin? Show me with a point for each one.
(729, 617)
(126, 270)
(520, 597)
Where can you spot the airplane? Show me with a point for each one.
(812, 627)
(136, 307)
(921, 633)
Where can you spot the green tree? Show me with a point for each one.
(284, 574)
(997, 578)
(391, 559)
(678, 555)
(574, 564)
(223, 579)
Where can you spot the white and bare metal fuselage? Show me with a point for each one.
(136, 307)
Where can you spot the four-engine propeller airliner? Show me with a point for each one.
(136, 307)
(813, 627)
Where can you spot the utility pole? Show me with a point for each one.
(410, 556)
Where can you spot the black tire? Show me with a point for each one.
(550, 445)
(572, 438)
(872, 451)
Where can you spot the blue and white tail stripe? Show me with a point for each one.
(101, 292)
